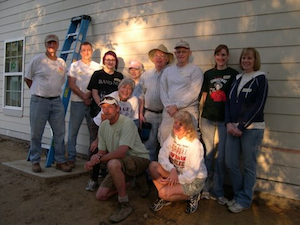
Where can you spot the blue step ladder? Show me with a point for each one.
(75, 36)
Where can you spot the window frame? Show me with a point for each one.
(7, 109)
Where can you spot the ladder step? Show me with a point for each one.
(82, 17)
(72, 34)
(67, 52)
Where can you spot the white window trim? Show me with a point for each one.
(13, 110)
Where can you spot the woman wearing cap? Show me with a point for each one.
(244, 119)
(216, 85)
(135, 70)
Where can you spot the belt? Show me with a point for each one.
(50, 98)
(157, 112)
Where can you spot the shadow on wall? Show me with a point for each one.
(31, 22)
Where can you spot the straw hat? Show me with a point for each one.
(163, 49)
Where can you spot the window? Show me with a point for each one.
(13, 76)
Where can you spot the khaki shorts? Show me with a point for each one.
(193, 188)
(132, 166)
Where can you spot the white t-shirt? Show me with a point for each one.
(82, 73)
(187, 157)
(47, 76)
(130, 108)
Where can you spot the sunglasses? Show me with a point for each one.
(108, 98)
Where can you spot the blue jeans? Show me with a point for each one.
(78, 112)
(41, 111)
(247, 145)
(216, 174)
(152, 144)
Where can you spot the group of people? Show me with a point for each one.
(174, 157)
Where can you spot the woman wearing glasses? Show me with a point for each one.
(104, 81)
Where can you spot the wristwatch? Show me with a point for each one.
(99, 157)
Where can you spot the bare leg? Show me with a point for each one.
(172, 193)
(157, 172)
(115, 169)
(166, 192)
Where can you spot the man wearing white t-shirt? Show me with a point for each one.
(45, 76)
(79, 76)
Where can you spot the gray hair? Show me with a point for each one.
(127, 81)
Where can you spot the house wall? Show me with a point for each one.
(132, 28)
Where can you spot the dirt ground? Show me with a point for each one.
(25, 200)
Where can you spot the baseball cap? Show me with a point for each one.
(135, 64)
(182, 44)
(109, 100)
(51, 37)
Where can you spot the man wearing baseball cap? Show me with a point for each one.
(151, 107)
(45, 76)
(179, 89)
(121, 148)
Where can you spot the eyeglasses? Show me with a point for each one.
(159, 55)
(136, 69)
(108, 98)
(109, 60)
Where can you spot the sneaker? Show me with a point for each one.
(230, 203)
(121, 213)
(91, 185)
(142, 185)
(237, 208)
(205, 195)
(36, 168)
(159, 204)
(220, 200)
(63, 167)
(192, 205)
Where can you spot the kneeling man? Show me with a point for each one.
(121, 147)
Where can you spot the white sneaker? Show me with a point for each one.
(230, 203)
(221, 200)
(205, 195)
(237, 208)
(91, 185)
(159, 204)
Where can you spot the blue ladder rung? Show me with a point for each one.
(72, 34)
(66, 52)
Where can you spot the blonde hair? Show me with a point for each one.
(187, 122)
(247, 51)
